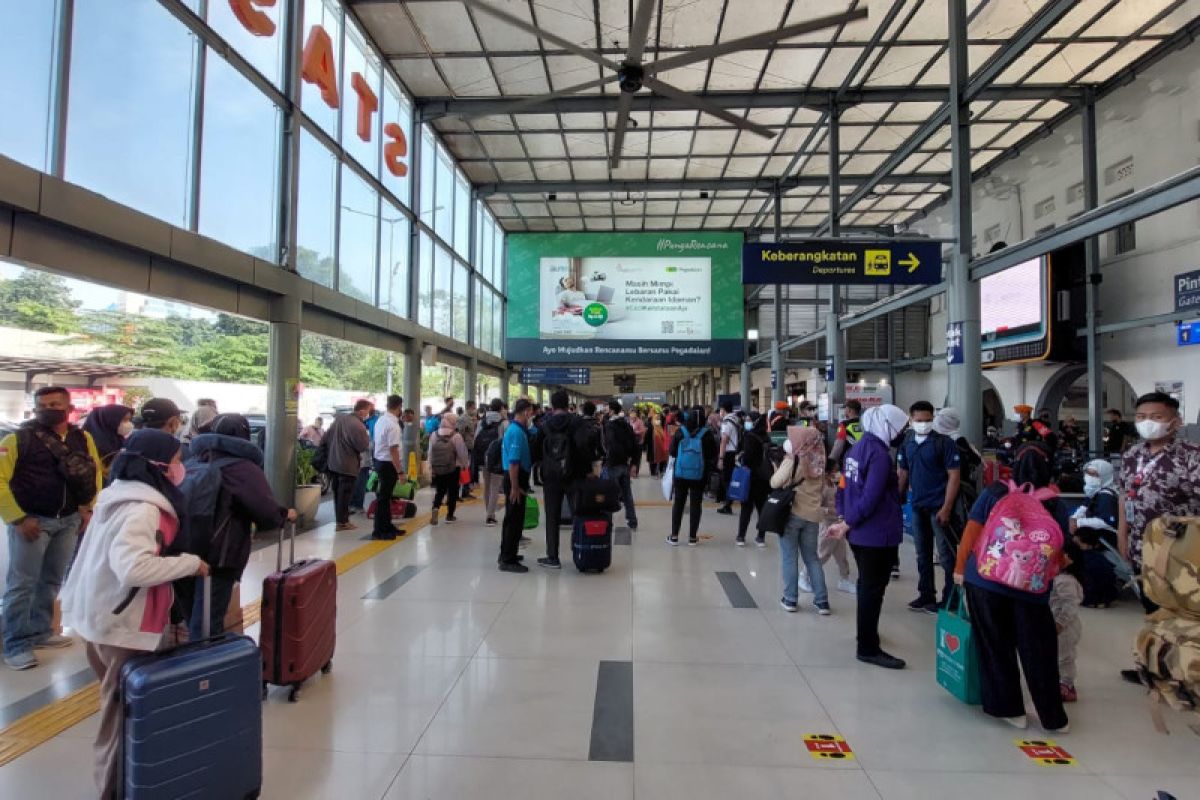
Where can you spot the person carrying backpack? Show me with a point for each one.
(1010, 552)
(226, 499)
(566, 451)
(695, 452)
(970, 469)
(730, 432)
(488, 459)
(118, 595)
(447, 456)
(620, 449)
(756, 456)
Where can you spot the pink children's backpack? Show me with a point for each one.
(1021, 545)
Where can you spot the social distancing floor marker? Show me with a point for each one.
(828, 747)
(38, 727)
(1046, 752)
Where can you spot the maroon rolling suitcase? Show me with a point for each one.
(299, 612)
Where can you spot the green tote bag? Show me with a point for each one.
(531, 512)
(957, 654)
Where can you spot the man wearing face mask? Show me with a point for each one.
(50, 474)
(1159, 476)
(930, 462)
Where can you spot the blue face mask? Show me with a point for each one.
(748, 426)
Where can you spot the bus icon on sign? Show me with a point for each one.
(878, 263)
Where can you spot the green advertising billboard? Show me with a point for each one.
(625, 298)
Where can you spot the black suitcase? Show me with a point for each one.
(592, 543)
(595, 496)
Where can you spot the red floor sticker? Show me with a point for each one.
(1046, 752)
(828, 746)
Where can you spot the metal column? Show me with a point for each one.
(962, 293)
(283, 396)
(471, 385)
(834, 338)
(1091, 251)
(412, 376)
(745, 387)
(778, 390)
(504, 388)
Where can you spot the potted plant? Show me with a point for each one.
(308, 490)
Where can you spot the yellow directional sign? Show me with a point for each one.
(912, 262)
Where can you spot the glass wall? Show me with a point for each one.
(195, 136)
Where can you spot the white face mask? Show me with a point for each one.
(922, 428)
(787, 446)
(1091, 485)
(1151, 430)
(125, 428)
(1015, 417)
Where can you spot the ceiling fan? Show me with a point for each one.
(632, 74)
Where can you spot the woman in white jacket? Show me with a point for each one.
(118, 595)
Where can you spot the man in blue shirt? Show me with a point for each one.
(517, 465)
(928, 462)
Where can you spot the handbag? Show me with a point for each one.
(668, 479)
(957, 653)
(773, 516)
(714, 484)
(464, 477)
(739, 484)
(531, 512)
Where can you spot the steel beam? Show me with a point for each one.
(1142, 322)
(1174, 191)
(896, 302)
(1091, 199)
(835, 340)
(431, 108)
(790, 344)
(691, 184)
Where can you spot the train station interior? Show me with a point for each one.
(732, 219)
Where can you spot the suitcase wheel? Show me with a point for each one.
(265, 688)
(294, 694)
(326, 669)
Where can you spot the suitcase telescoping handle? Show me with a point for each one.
(206, 607)
(290, 527)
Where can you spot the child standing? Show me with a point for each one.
(1066, 595)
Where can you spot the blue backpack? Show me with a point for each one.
(199, 528)
(689, 462)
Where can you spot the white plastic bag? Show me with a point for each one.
(668, 479)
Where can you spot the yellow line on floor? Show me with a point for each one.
(38, 727)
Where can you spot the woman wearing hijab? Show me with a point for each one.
(803, 471)
(447, 456)
(1094, 524)
(1013, 625)
(754, 456)
(118, 594)
(109, 425)
(691, 490)
(869, 505)
(660, 444)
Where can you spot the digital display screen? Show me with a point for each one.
(1013, 304)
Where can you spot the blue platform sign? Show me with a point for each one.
(954, 343)
(829, 368)
(840, 262)
(1187, 333)
(1187, 291)
(577, 376)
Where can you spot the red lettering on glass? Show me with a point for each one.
(368, 103)
(395, 150)
(251, 18)
(318, 65)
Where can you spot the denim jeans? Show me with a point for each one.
(799, 540)
(35, 574)
(621, 476)
(926, 530)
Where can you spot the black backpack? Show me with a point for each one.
(557, 454)
(619, 441)
(773, 456)
(494, 457)
(483, 441)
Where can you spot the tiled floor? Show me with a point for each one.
(466, 683)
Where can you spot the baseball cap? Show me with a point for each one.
(157, 410)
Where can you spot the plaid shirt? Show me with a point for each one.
(1156, 485)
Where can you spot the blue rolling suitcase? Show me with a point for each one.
(193, 720)
(592, 543)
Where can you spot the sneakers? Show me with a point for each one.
(673, 541)
(550, 563)
(1068, 693)
(822, 609)
(1021, 722)
(54, 642)
(921, 604)
(760, 542)
(490, 522)
(1131, 676)
(725, 510)
(895, 573)
(740, 541)
(804, 583)
(513, 566)
(884, 660)
(1066, 728)
(848, 586)
(21, 661)
(433, 517)
(791, 608)
(451, 518)
(345, 526)
(693, 541)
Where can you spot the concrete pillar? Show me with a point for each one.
(412, 376)
(283, 396)
(504, 388)
(747, 402)
(471, 389)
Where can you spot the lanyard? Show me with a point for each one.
(1143, 469)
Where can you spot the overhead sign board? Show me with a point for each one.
(1187, 291)
(838, 261)
(579, 376)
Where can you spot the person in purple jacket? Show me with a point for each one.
(869, 505)
(245, 503)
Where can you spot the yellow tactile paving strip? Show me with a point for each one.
(38, 727)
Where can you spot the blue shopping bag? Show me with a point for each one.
(739, 484)
(957, 654)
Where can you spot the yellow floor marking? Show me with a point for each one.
(38, 727)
